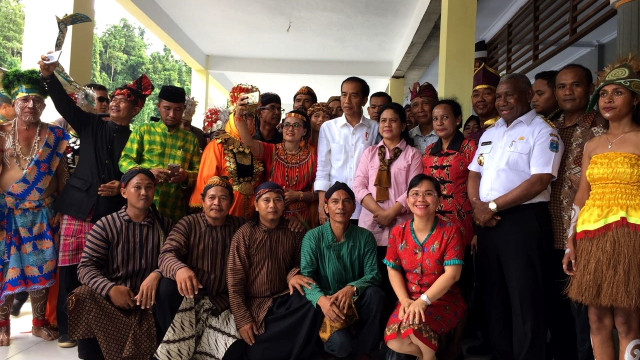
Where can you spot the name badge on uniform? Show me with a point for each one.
(485, 148)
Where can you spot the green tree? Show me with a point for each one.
(120, 56)
(11, 31)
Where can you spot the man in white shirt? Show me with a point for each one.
(423, 98)
(342, 140)
(509, 188)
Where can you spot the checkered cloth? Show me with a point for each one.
(72, 235)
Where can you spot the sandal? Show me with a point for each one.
(45, 332)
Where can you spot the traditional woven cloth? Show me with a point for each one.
(608, 239)
(122, 334)
(198, 331)
(383, 178)
(26, 231)
(72, 234)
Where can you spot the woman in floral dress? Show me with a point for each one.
(424, 258)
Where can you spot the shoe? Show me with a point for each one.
(5, 335)
(46, 333)
(65, 342)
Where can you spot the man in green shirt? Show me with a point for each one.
(341, 258)
(171, 153)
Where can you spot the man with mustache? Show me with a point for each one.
(193, 261)
(576, 126)
(156, 145)
(274, 319)
(31, 175)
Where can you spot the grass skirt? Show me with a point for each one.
(608, 269)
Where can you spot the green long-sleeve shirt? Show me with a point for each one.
(151, 145)
(334, 265)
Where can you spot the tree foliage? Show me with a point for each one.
(120, 56)
(11, 30)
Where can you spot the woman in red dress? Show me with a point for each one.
(424, 258)
(447, 160)
(290, 164)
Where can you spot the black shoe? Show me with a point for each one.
(65, 342)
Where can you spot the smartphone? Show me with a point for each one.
(53, 57)
(254, 98)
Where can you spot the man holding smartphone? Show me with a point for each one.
(172, 153)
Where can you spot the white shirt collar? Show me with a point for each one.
(526, 119)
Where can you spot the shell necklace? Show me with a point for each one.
(17, 149)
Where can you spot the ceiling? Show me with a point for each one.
(280, 45)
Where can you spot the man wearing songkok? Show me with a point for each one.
(93, 190)
(190, 105)
(31, 175)
(509, 188)
(172, 153)
(483, 97)
(6, 109)
(268, 118)
(304, 98)
(342, 141)
(193, 261)
(110, 314)
(423, 97)
(341, 258)
(576, 126)
(227, 156)
(273, 318)
(336, 107)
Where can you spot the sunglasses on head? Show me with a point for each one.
(102, 99)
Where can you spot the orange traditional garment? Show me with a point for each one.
(292, 171)
(608, 234)
(227, 156)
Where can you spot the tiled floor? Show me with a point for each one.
(25, 346)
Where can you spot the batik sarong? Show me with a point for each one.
(122, 334)
(198, 333)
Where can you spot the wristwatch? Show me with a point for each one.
(425, 298)
(356, 293)
(493, 206)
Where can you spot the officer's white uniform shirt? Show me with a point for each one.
(510, 155)
(340, 146)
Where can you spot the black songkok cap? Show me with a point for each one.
(131, 173)
(339, 186)
(172, 94)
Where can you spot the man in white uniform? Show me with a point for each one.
(509, 187)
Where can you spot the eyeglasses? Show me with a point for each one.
(102, 99)
(272, 108)
(425, 194)
(293, 125)
(119, 100)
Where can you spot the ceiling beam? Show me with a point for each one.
(314, 67)
(426, 19)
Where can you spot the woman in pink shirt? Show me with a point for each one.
(382, 179)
